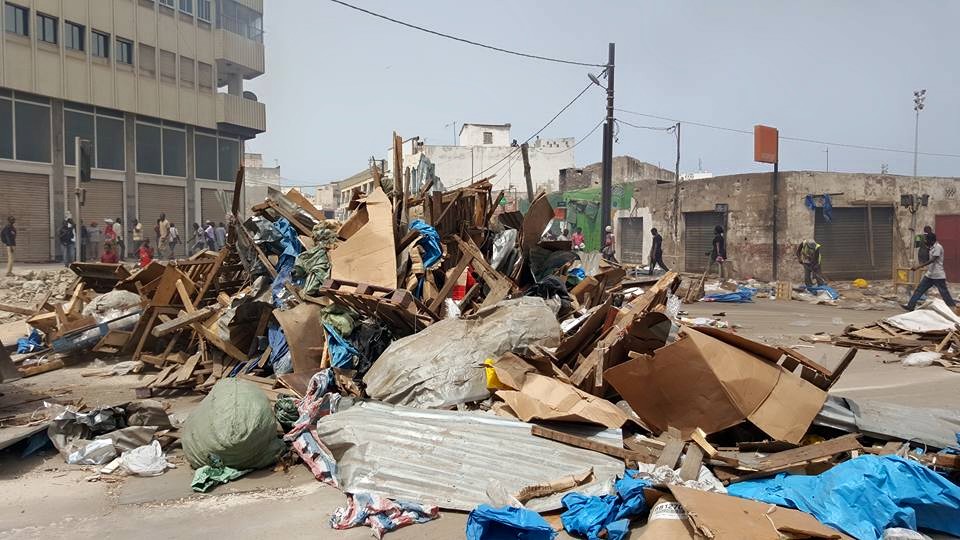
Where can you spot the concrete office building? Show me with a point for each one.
(140, 79)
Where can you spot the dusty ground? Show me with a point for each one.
(40, 496)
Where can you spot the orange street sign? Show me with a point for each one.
(765, 144)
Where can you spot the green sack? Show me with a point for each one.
(234, 423)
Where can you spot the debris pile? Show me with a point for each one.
(433, 352)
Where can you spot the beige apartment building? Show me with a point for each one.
(156, 85)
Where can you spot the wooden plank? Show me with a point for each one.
(580, 442)
(842, 366)
(450, 282)
(267, 381)
(186, 371)
(811, 452)
(186, 319)
(185, 296)
(18, 310)
(161, 376)
(690, 468)
(671, 453)
(42, 368)
(215, 340)
(700, 438)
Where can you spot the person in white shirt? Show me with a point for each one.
(935, 276)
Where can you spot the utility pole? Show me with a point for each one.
(676, 191)
(918, 97)
(76, 189)
(827, 150)
(524, 151)
(606, 183)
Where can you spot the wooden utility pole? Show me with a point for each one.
(606, 183)
(526, 170)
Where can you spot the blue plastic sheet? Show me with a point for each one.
(824, 288)
(588, 516)
(827, 208)
(809, 203)
(866, 495)
(342, 353)
(743, 295)
(429, 245)
(279, 350)
(31, 343)
(488, 523)
(290, 242)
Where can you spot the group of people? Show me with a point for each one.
(209, 236)
(100, 244)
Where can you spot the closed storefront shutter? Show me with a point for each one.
(846, 243)
(210, 207)
(947, 229)
(103, 200)
(631, 240)
(154, 200)
(27, 198)
(698, 238)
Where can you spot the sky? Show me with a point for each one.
(338, 82)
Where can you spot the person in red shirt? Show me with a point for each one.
(109, 255)
(145, 253)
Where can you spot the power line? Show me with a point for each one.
(576, 144)
(653, 128)
(794, 139)
(530, 138)
(463, 40)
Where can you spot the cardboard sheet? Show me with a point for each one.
(700, 381)
(301, 326)
(933, 316)
(535, 221)
(539, 397)
(368, 255)
(724, 517)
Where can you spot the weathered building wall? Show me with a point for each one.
(626, 169)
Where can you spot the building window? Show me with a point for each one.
(487, 137)
(149, 159)
(124, 51)
(187, 74)
(16, 19)
(203, 10)
(110, 143)
(168, 3)
(100, 44)
(148, 61)
(229, 153)
(32, 125)
(240, 19)
(46, 28)
(205, 156)
(73, 35)
(174, 152)
(6, 129)
(77, 124)
(168, 66)
(103, 128)
(186, 6)
(205, 76)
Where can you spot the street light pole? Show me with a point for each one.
(606, 183)
(918, 97)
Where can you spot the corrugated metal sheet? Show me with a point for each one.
(935, 427)
(450, 458)
(26, 197)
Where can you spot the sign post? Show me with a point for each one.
(766, 149)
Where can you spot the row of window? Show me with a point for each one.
(186, 6)
(161, 147)
(192, 73)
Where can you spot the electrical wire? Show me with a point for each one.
(576, 144)
(463, 40)
(530, 138)
(654, 128)
(794, 139)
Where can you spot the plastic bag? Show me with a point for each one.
(148, 460)
(488, 523)
(96, 452)
(920, 359)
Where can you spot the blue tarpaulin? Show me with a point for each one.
(588, 516)
(31, 343)
(342, 353)
(742, 295)
(430, 247)
(865, 495)
(824, 288)
(488, 523)
(290, 243)
(279, 350)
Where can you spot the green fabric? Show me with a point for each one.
(286, 411)
(313, 265)
(587, 213)
(208, 476)
(235, 423)
(343, 319)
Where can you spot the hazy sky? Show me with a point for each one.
(338, 82)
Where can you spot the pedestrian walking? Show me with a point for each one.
(810, 257)
(84, 241)
(718, 252)
(9, 238)
(197, 239)
(121, 249)
(221, 233)
(935, 276)
(656, 252)
(609, 249)
(67, 236)
(173, 239)
(163, 248)
(137, 233)
(94, 240)
(210, 236)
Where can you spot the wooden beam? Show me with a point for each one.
(187, 319)
(700, 438)
(580, 442)
(811, 452)
(690, 468)
(18, 310)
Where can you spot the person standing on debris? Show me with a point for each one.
(221, 233)
(173, 239)
(609, 250)
(118, 234)
(718, 251)
(577, 239)
(211, 236)
(935, 276)
(656, 252)
(9, 238)
(145, 253)
(164, 246)
(67, 235)
(109, 255)
(809, 256)
(923, 250)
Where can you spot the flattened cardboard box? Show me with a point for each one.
(700, 381)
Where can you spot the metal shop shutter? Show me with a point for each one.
(631, 240)
(698, 238)
(846, 243)
(27, 198)
(210, 207)
(947, 229)
(104, 200)
(154, 200)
